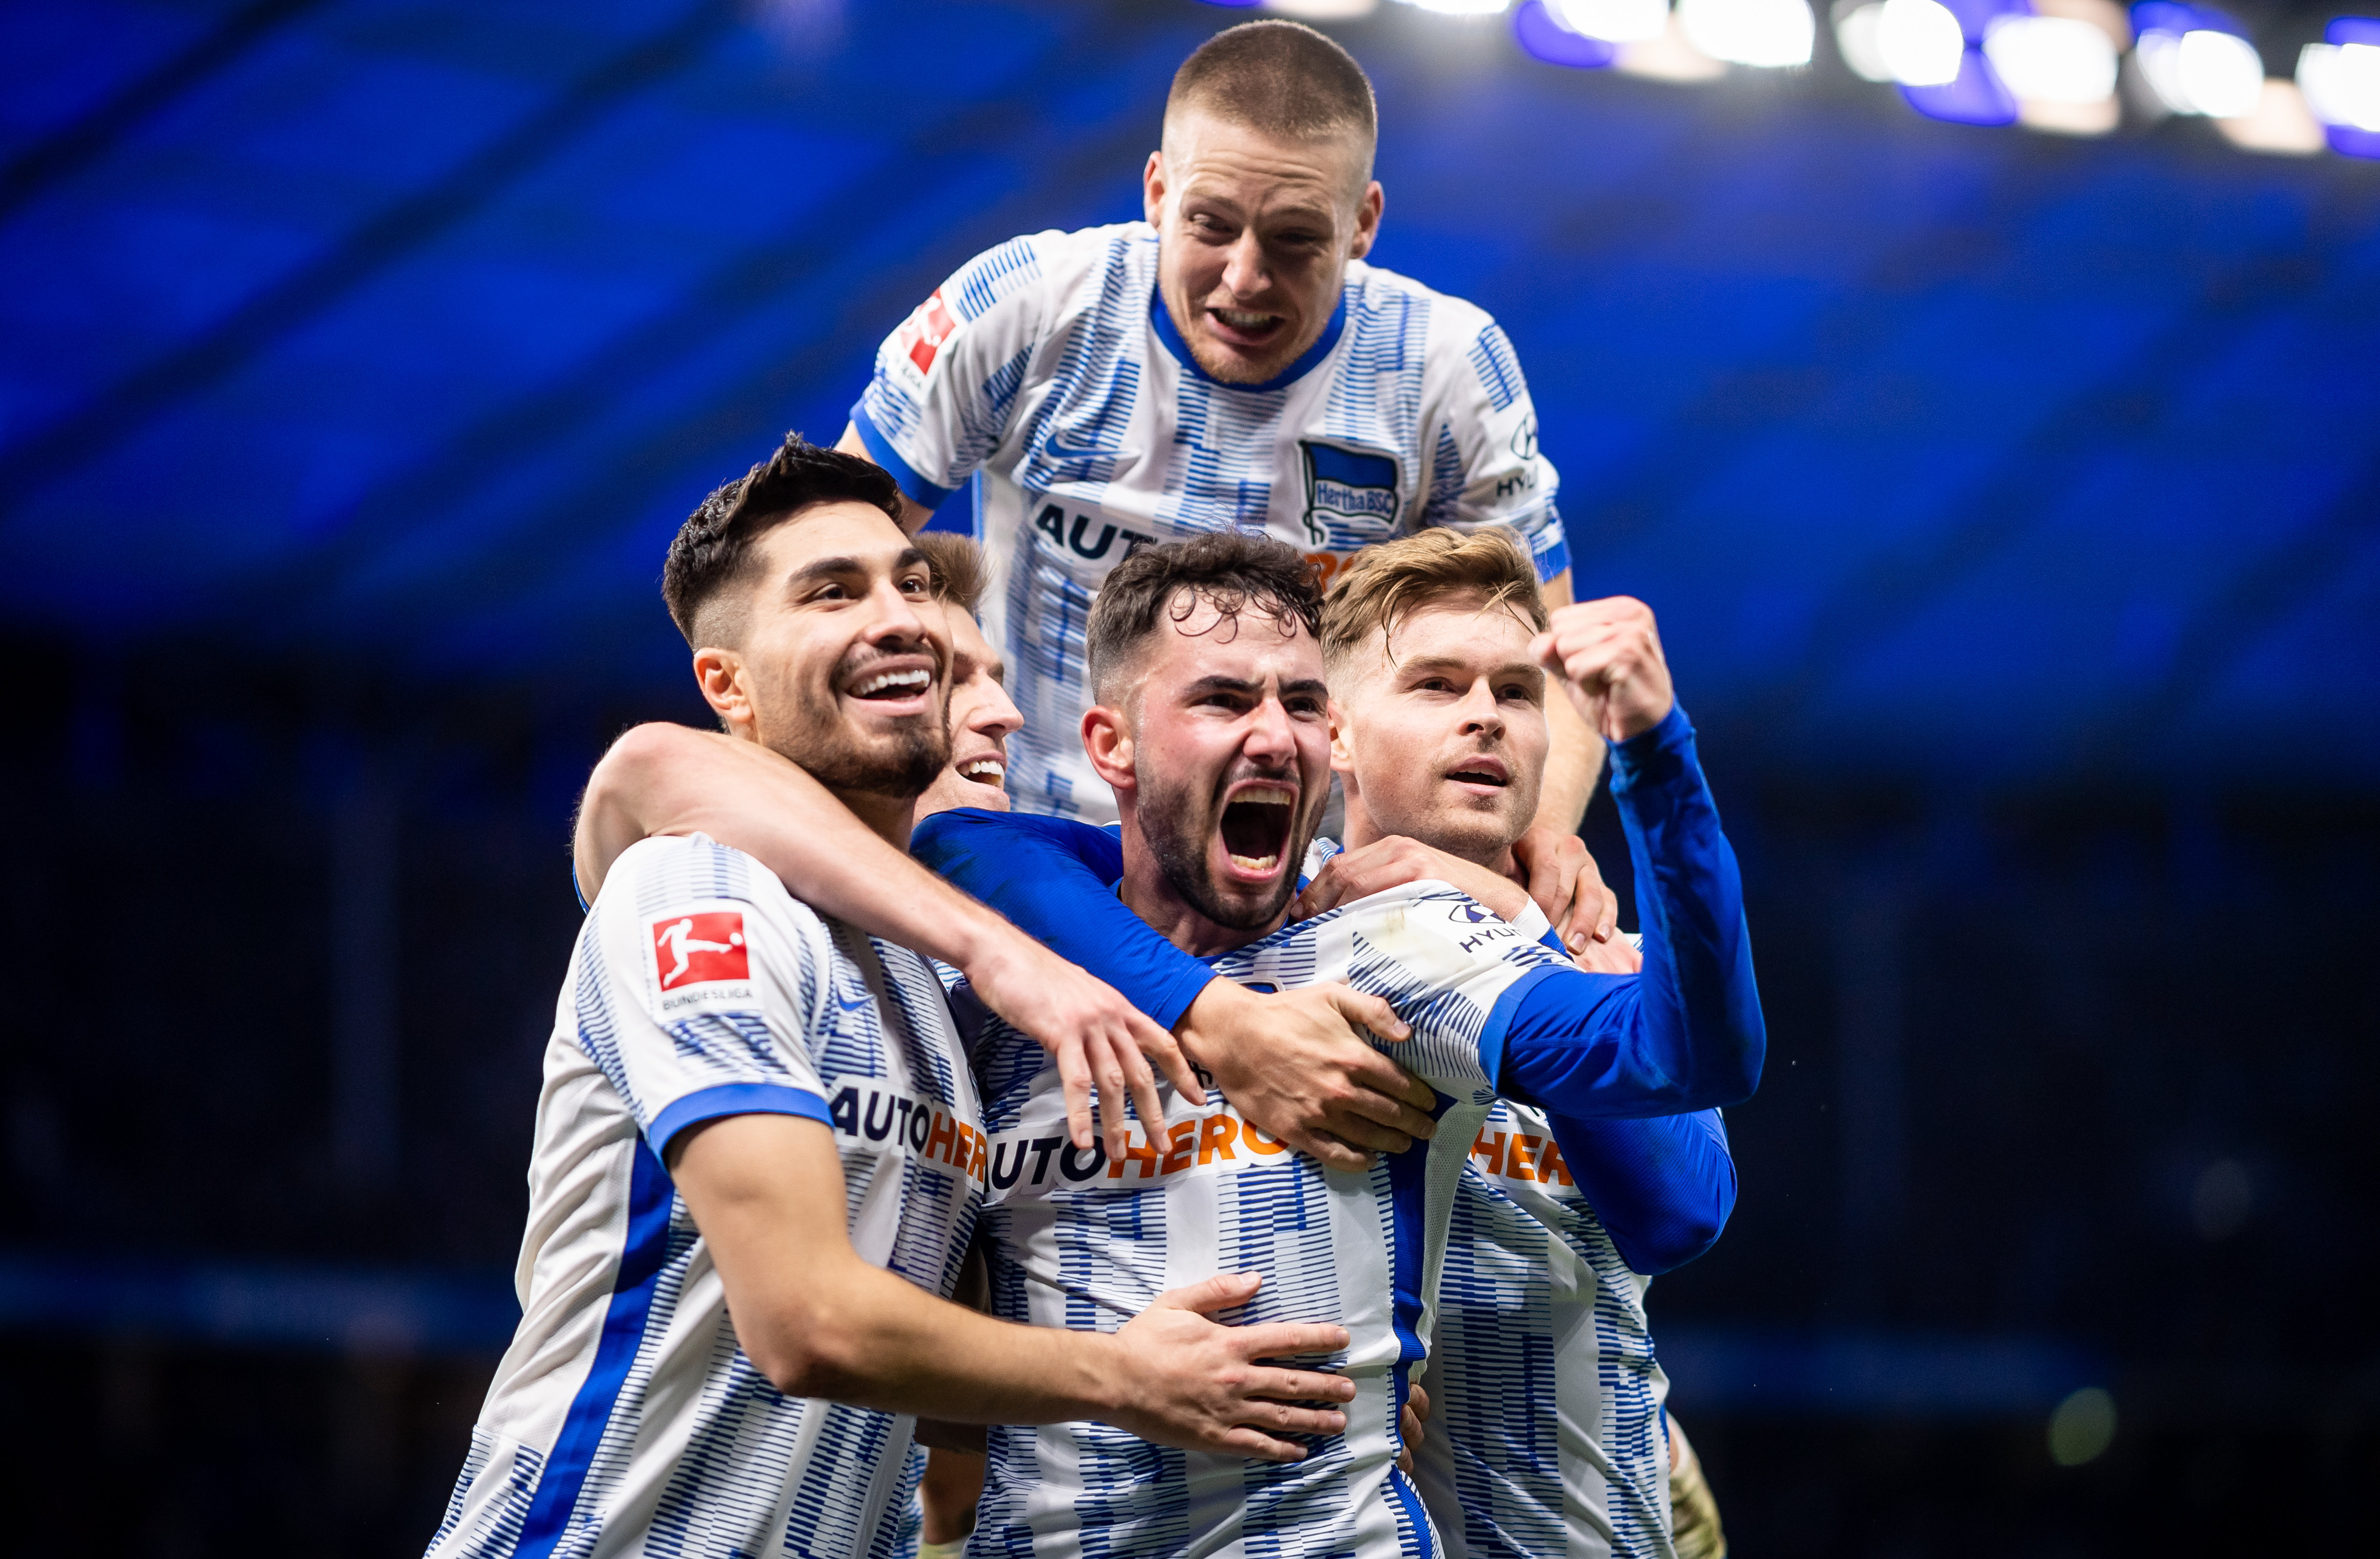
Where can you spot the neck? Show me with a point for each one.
(888, 818)
(1149, 894)
(1364, 829)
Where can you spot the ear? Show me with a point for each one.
(1368, 221)
(720, 674)
(1152, 188)
(1107, 740)
(1343, 759)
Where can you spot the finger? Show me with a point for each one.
(1161, 1046)
(1287, 1339)
(1333, 1152)
(1382, 1113)
(1283, 1418)
(1298, 1385)
(1357, 1007)
(1143, 1084)
(1255, 1446)
(1113, 1095)
(1210, 1294)
(1075, 1076)
(1404, 1462)
(1417, 1402)
(1370, 1071)
(1321, 894)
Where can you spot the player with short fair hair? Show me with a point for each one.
(759, 1150)
(1548, 1400)
(1213, 727)
(1231, 361)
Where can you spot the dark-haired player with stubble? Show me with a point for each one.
(1231, 362)
(758, 1152)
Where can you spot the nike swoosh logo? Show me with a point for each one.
(1056, 451)
(851, 1007)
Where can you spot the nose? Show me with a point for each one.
(1243, 268)
(996, 716)
(1479, 714)
(1270, 739)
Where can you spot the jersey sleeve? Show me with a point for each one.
(700, 987)
(1055, 877)
(1485, 467)
(946, 380)
(1687, 1031)
(1663, 1187)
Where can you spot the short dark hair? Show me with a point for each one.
(957, 564)
(714, 548)
(1280, 77)
(1233, 571)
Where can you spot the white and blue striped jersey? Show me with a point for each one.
(624, 1419)
(1545, 1436)
(1080, 1240)
(1049, 368)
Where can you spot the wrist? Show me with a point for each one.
(1204, 1020)
(1102, 1389)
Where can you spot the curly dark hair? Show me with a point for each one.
(1235, 572)
(714, 548)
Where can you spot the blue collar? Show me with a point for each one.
(1160, 317)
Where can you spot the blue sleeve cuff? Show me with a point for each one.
(1672, 735)
(733, 1099)
(1500, 1021)
(922, 493)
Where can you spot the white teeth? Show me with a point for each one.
(1242, 318)
(1267, 796)
(1255, 863)
(984, 769)
(893, 679)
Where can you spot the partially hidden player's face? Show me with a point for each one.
(1439, 733)
(982, 719)
(1254, 237)
(845, 654)
(1229, 755)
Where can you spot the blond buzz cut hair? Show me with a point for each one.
(1389, 582)
(1282, 79)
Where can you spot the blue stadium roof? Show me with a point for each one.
(407, 332)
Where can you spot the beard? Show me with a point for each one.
(901, 764)
(1177, 825)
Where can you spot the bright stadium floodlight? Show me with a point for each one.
(2196, 61)
(1761, 32)
(2342, 82)
(1855, 26)
(1921, 43)
(1614, 21)
(2052, 59)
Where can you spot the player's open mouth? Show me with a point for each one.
(1483, 774)
(986, 769)
(1244, 327)
(898, 688)
(1255, 828)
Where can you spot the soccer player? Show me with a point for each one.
(1230, 362)
(1212, 726)
(758, 1152)
(1547, 1398)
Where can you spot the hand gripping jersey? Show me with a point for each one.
(1084, 1241)
(1545, 1438)
(1050, 367)
(624, 1419)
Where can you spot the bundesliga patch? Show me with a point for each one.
(922, 334)
(701, 959)
(1353, 486)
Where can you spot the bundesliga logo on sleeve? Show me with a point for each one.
(700, 959)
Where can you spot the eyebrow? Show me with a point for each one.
(1219, 684)
(825, 567)
(1455, 662)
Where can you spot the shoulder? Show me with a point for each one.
(1451, 320)
(661, 878)
(1045, 270)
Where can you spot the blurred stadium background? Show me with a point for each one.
(2011, 502)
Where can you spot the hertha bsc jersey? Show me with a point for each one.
(1050, 367)
(1545, 1438)
(1081, 1240)
(625, 1419)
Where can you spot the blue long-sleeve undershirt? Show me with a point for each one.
(1662, 1187)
